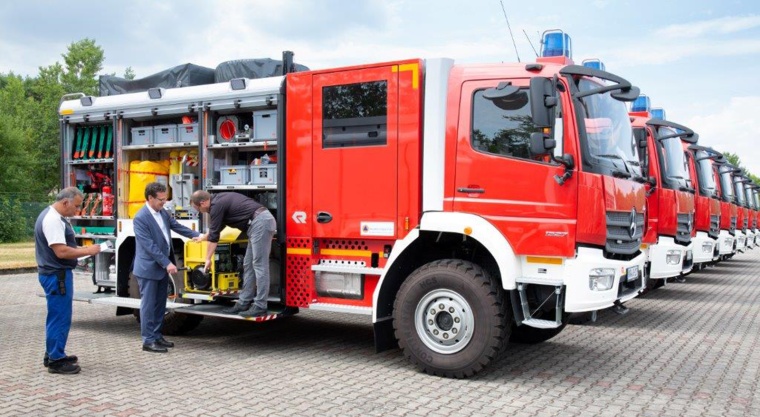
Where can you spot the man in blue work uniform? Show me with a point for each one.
(56, 251)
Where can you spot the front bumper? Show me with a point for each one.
(579, 297)
(726, 242)
(703, 247)
(667, 249)
(741, 241)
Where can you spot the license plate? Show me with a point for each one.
(632, 273)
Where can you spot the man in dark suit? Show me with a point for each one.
(154, 262)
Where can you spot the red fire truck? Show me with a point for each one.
(729, 238)
(707, 205)
(670, 198)
(741, 182)
(460, 206)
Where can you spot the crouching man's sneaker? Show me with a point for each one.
(254, 312)
(62, 366)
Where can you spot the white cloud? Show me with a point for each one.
(733, 128)
(722, 25)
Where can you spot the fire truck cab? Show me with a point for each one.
(670, 196)
(707, 205)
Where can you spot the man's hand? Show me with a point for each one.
(199, 238)
(171, 268)
(207, 266)
(93, 249)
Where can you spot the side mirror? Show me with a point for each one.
(540, 144)
(543, 101)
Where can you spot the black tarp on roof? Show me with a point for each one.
(180, 76)
(252, 68)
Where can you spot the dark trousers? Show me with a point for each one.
(153, 294)
(58, 322)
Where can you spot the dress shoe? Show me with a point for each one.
(71, 359)
(254, 312)
(154, 347)
(63, 366)
(165, 343)
(237, 308)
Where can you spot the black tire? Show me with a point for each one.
(531, 335)
(464, 305)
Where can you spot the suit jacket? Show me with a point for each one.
(152, 253)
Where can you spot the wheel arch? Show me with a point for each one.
(441, 235)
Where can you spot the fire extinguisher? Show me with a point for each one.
(107, 201)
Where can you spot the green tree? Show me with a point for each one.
(129, 73)
(82, 63)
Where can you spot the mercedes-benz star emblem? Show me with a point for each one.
(632, 227)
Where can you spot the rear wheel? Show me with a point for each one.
(449, 317)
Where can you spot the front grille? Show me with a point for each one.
(732, 228)
(683, 228)
(619, 239)
(714, 226)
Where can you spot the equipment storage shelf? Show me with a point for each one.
(240, 187)
(92, 217)
(267, 145)
(161, 146)
(92, 161)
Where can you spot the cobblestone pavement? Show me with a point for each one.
(683, 350)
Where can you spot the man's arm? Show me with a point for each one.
(210, 249)
(67, 252)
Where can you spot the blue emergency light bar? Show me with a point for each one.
(555, 42)
(658, 113)
(594, 63)
(641, 103)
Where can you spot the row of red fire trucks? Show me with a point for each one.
(461, 207)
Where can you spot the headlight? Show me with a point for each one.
(673, 257)
(707, 247)
(601, 279)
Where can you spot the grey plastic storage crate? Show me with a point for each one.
(142, 136)
(165, 134)
(264, 174)
(234, 175)
(187, 133)
(265, 125)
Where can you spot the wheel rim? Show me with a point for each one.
(444, 321)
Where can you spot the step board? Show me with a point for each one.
(541, 324)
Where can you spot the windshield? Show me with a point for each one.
(748, 197)
(606, 132)
(706, 175)
(725, 185)
(675, 172)
(739, 190)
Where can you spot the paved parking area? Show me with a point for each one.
(683, 350)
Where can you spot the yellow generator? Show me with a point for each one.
(226, 271)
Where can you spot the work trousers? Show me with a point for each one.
(58, 322)
(256, 261)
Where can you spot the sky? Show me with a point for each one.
(697, 59)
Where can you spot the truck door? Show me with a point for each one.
(355, 153)
(498, 178)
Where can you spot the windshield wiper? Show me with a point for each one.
(608, 155)
(620, 174)
(640, 179)
(687, 189)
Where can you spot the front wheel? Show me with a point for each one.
(450, 318)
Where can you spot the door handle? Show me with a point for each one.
(324, 217)
(471, 190)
